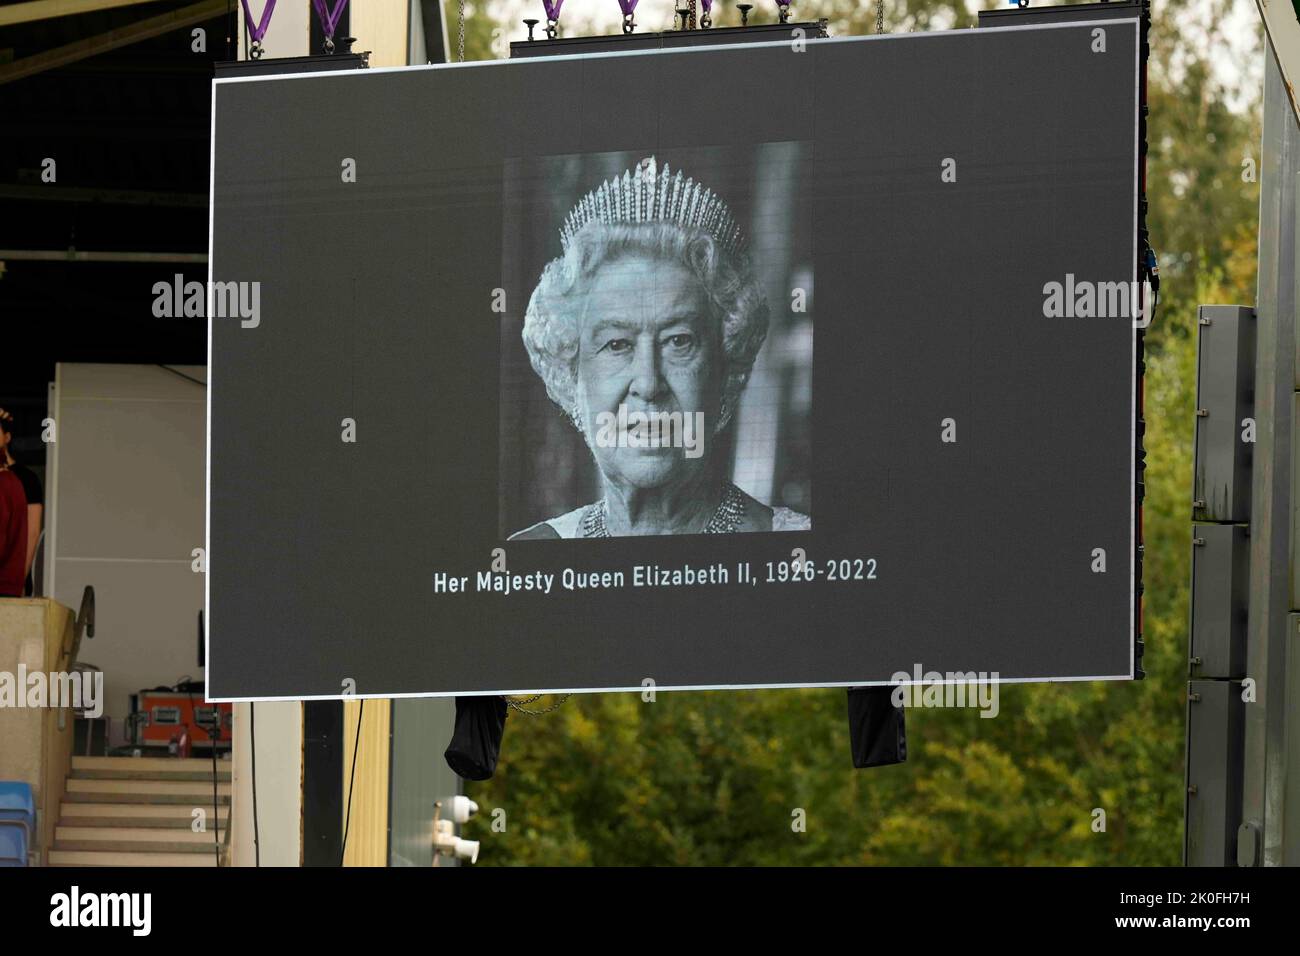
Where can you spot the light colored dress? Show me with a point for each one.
(786, 519)
(569, 525)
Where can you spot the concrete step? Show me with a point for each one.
(177, 816)
(119, 858)
(132, 840)
(147, 768)
(189, 793)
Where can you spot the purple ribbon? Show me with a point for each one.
(552, 8)
(329, 20)
(259, 30)
(627, 6)
(708, 5)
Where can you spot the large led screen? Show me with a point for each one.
(786, 364)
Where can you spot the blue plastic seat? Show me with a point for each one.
(13, 843)
(17, 803)
(17, 822)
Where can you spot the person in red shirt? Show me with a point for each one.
(13, 534)
(31, 487)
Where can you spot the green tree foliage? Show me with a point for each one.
(479, 27)
(719, 777)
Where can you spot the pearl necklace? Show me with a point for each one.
(724, 521)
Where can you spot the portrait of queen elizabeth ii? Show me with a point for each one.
(645, 331)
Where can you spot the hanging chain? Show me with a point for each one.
(880, 16)
(461, 46)
(518, 704)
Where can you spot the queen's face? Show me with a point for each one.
(648, 341)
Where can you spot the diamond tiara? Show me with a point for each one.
(648, 196)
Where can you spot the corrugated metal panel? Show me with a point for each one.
(1271, 515)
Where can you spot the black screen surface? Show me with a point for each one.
(926, 462)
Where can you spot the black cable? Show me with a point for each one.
(352, 779)
(252, 746)
(216, 810)
(188, 378)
